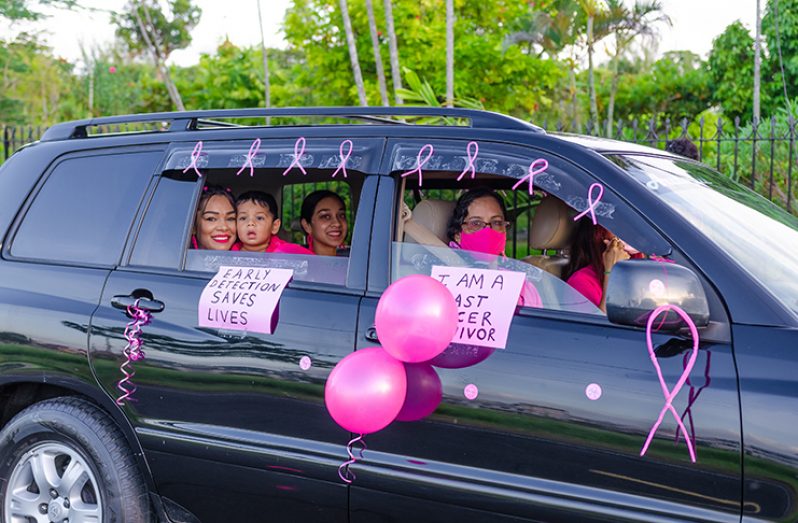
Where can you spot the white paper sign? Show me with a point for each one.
(243, 298)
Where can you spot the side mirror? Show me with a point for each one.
(637, 287)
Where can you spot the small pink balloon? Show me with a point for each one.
(416, 318)
(112, 69)
(424, 392)
(459, 356)
(471, 391)
(366, 390)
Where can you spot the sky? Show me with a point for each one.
(695, 24)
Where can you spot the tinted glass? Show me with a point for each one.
(84, 211)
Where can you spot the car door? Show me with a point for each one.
(233, 423)
(551, 427)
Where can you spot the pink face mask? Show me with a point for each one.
(486, 241)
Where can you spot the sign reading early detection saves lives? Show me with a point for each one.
(486, 300)
(243, 298)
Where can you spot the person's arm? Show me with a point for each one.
(613, 253)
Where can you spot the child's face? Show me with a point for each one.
(256, 225)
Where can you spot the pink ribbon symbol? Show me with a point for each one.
(533, 170)
(343, 157)
(670, 395)
(297, 156)
(253, 150)
(420, 163)
(195, 155)
(471, 161)
(591, 203)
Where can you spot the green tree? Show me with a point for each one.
(27, 9)
(731, 71)
(780, 28)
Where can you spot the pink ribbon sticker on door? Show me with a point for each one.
(421, 162)
(539, 166)
(486, 301)
(671, 394)
(196, 154)
(299, 151)
(253, 150)
(243, 298)
(344, 157)
(591, 202)
(472, 159)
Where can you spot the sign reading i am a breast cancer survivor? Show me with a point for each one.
(486, 300)
(243, 298)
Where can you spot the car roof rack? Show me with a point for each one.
(189, 120)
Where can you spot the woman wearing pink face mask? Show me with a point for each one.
(478, 224)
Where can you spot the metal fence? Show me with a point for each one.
(760, 154)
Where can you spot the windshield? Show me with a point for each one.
(747, 226)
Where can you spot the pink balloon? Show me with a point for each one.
(458, 356)
(416, 318)
(424, 392)
(366, 390)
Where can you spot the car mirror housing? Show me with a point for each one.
(637, 287)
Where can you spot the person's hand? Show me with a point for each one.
(613, 253)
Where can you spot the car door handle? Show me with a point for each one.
(371, 334)
(123, 302)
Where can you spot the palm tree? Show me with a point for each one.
(449, 53)
(626, 25)
(394, 52)
(592, 9)
(375, 44)
(350, 42)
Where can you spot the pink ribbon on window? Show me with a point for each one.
(591, 203)
(253, 150)
(420, 163)
(470, 166)
(133, 351)
(346, 475)
(536, 167)
(297, 156)
(195, 155)
(344, 158)
(671, 394)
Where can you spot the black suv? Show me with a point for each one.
(231, 425)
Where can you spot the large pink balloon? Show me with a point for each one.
(424, 392)
(416, 318)
(458, 356)
(366, 390)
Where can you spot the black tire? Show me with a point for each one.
(69, 434)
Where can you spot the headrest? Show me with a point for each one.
(434, 215)
(551, 225)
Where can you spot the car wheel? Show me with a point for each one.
(65, 460)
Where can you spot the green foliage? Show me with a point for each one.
(731, 71)
(166, 34)
(781, 33)
(24, 10)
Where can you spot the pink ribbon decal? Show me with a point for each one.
(420, 163)
(253, 150)
(343, 157)
(195, 155)
(671, 394)
(471, 161)
(133, 351)
(538, 166)
(297, 156)
(346, 475)
(591, 203)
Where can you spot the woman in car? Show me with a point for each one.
(215, 221)
(594, 253)
(478, 224)
(323, 218)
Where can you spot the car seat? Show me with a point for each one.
(551, 226)
(427, 222)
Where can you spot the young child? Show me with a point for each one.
(258, 225)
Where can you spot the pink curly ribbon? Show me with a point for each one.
(195, 155)
(591, 204)
(420, 163)
(297, 156)
(346, 475)
(133, 351)
(671, 394)
(343, 157)
(253, 150)
(470, 167)
(533, 170)
(693, 394)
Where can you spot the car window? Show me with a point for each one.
(84, 210)
(422, 238)
(267, 171)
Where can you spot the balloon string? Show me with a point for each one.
(132, 352)
(346, 475)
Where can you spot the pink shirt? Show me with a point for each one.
(586, 281)
(278, 245)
